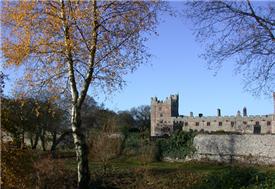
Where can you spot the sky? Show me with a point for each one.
(175, 68)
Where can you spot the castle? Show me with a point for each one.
(165, 119)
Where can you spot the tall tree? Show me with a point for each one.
(18, 117)
(141, 114)
(76, 44)
(243, 30)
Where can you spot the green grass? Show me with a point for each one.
(129, 173)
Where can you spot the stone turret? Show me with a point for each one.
(162, 111)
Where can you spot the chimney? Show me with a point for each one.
(219, 112)
(244, 111)
(238, 113)
(191, 114)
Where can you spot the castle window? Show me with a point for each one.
(220, 123)
(197, 123)
(208, 123)
(159, 108)
(161, 115)
(268, 123)
(244, 122)
(186, 123)
(232, 123)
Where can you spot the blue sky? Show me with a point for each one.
(176, 68)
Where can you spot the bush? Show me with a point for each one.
(148, 153)
(16, 167)
(179, 145)
(25, 168)
(132, 144)
(51, 173)
(239, 177)
(103, 147)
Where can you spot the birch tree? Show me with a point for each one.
(77, 45)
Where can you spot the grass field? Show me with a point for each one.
(125, 173)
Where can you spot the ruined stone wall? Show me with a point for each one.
(231, 147)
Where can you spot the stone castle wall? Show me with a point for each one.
(259, 149)
(239, 124)
(165, 120)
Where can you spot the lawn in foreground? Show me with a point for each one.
(125, 173)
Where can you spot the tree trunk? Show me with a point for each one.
(53, 148)
(37, 134)
(56, 141)
(22, 139)
(31, 139)
(81, 149)
(42, 138)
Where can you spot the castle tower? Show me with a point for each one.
(161, 111)
(273, 121)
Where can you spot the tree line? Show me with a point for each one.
(45, 123)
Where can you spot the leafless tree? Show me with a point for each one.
(239, 30)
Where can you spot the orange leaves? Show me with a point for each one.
(16, 53)
(46, 34)
(23, 11)
(16, 38)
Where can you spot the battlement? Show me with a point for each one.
(165, 118)
(171, 98)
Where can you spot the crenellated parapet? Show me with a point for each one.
(165, 119)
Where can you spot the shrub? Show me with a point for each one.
(179, 145)
(103, 147)
(51, 173)
(238, 177)
(16, 167)
(148, 153)
(132, 144)
(25, 168)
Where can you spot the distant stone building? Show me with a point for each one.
(165, 119)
